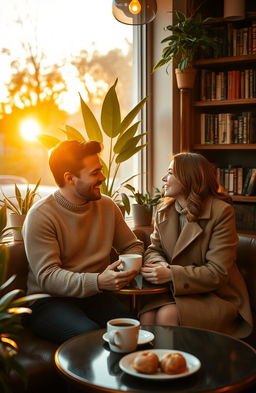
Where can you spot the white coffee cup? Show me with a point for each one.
(123, 334)
(130, 262)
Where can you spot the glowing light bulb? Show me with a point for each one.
(134, 7)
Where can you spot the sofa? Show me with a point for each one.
(37, 355)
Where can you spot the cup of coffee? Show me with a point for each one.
(130, 262)
(123, 334)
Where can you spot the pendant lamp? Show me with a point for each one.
(134, 12)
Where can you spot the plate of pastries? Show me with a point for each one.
(160, 364)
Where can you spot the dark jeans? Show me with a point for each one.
(58, 319)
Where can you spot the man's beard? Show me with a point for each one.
(88, 192)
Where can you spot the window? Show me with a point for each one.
(50, 50)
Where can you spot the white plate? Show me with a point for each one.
(144, 337)
(193, 364)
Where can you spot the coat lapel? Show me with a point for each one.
(189, 233)
(169, 228)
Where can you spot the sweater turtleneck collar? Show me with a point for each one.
(68, 205)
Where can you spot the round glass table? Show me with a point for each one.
(227, 364)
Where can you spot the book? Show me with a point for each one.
(246, 180)
(251, 188)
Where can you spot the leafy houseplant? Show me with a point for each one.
(143, 209)
(10, 315)
(19, 209)
(189, 36)
(122, 144)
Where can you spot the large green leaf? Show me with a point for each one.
(131, 115)
(91, 125)
(132, 143)
(73, 134)
(48, 140)
(104, 168)
(128, 154)
(121, 141)
(110, 113)
(126, 202)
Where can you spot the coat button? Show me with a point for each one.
(186, 285)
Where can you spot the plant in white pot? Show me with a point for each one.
(142, 210)
(190, 34)
(19, 205)
(122, 140)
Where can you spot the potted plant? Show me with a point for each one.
(19, 207)
(190, 34)
(143, 208)
(122, 142)
(11, 309)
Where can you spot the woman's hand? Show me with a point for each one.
(156, 273)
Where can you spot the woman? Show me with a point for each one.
(193, 247)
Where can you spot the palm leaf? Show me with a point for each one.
(110, 113)
(73, 134)
(128, 154)
(48, 140)
(91, 125)
(131, 115)
(121, 141)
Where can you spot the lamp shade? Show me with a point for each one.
(134, 12)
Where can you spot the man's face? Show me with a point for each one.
(172, 186)
(87, 185)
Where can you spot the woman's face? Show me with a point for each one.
(172, 187)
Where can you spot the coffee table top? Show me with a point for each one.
(225, 362)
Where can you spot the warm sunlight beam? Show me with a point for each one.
(30, 129)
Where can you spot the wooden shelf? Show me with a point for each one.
(243, 198)
(225, 61)
(227, 146)
(210, 103)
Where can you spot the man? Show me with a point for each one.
(68, 238)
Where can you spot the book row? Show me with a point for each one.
(227, 128)
(237, 40)
(228, 85)
(237, 181)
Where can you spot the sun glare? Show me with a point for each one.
(30, 129)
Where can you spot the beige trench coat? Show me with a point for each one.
(208, 288)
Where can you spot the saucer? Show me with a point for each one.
(144, 337)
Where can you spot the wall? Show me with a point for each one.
(165, 117)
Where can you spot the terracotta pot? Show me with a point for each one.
(17, 220)
(142, 215)
(185, 79)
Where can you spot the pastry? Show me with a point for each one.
(173, 363)
(146, 362)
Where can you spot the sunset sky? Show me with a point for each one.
(60, 28)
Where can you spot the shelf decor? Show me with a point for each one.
(234, 10)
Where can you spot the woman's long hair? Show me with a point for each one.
(196, 174)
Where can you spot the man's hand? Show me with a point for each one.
(156, 273)
(111, 280)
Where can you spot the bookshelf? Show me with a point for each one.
(234, 114)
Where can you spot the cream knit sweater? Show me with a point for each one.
(67, 245)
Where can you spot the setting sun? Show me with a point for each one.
(30, 129)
